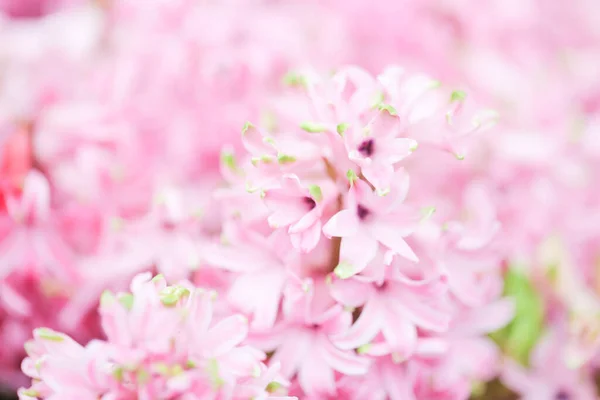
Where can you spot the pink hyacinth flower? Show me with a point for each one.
(376, 148)
(394, 308)
(370, 220)
(298, 207)
(62, 368)
(261, 264)
(303, 343)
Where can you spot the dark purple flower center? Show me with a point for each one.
(562, 395)
(367, 147)
(310, 202)
(362, 212)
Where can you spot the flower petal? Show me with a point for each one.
(364, 329)
(344, 223)
(226, 334)
(356, 253)
(391, 237)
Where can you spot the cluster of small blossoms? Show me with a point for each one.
(353, 267)
(162, 342)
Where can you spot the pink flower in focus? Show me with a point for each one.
(299, 208)
(303, 341)
(376, 148)
(370, 220)
(395, 308)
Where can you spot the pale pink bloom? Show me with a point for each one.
(370, 220)
(433, 115)
(300, 208)
(60, 367)
(396, 308)
(261, 265)
(162, 341)
(303, 343)
(376, 148)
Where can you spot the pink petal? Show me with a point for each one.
(258, 294)
(487, 319)
(238, 259)
(350, 292)
(308, 220)
(226, 334)
(344, 223)
(384, 125)
(398, 385)
(252, 139)
(286, 208)
(241, 360)
(35, 200)
(482, 362)
(52, 251)
(13, 250)
(391, 237)
(345, 362)
(364, 329)
(307, 240)
(12, 301)
(400, 333)
(395, 150)
(316, 376)
(292, 351)
(424, 315)
(291, 185)
(431, 347)
(357, 252)
(380, 174)
(200, 308)
(515, 377)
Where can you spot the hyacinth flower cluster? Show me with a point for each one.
(345, 273)
(161, 342)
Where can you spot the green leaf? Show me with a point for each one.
(519, 337)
